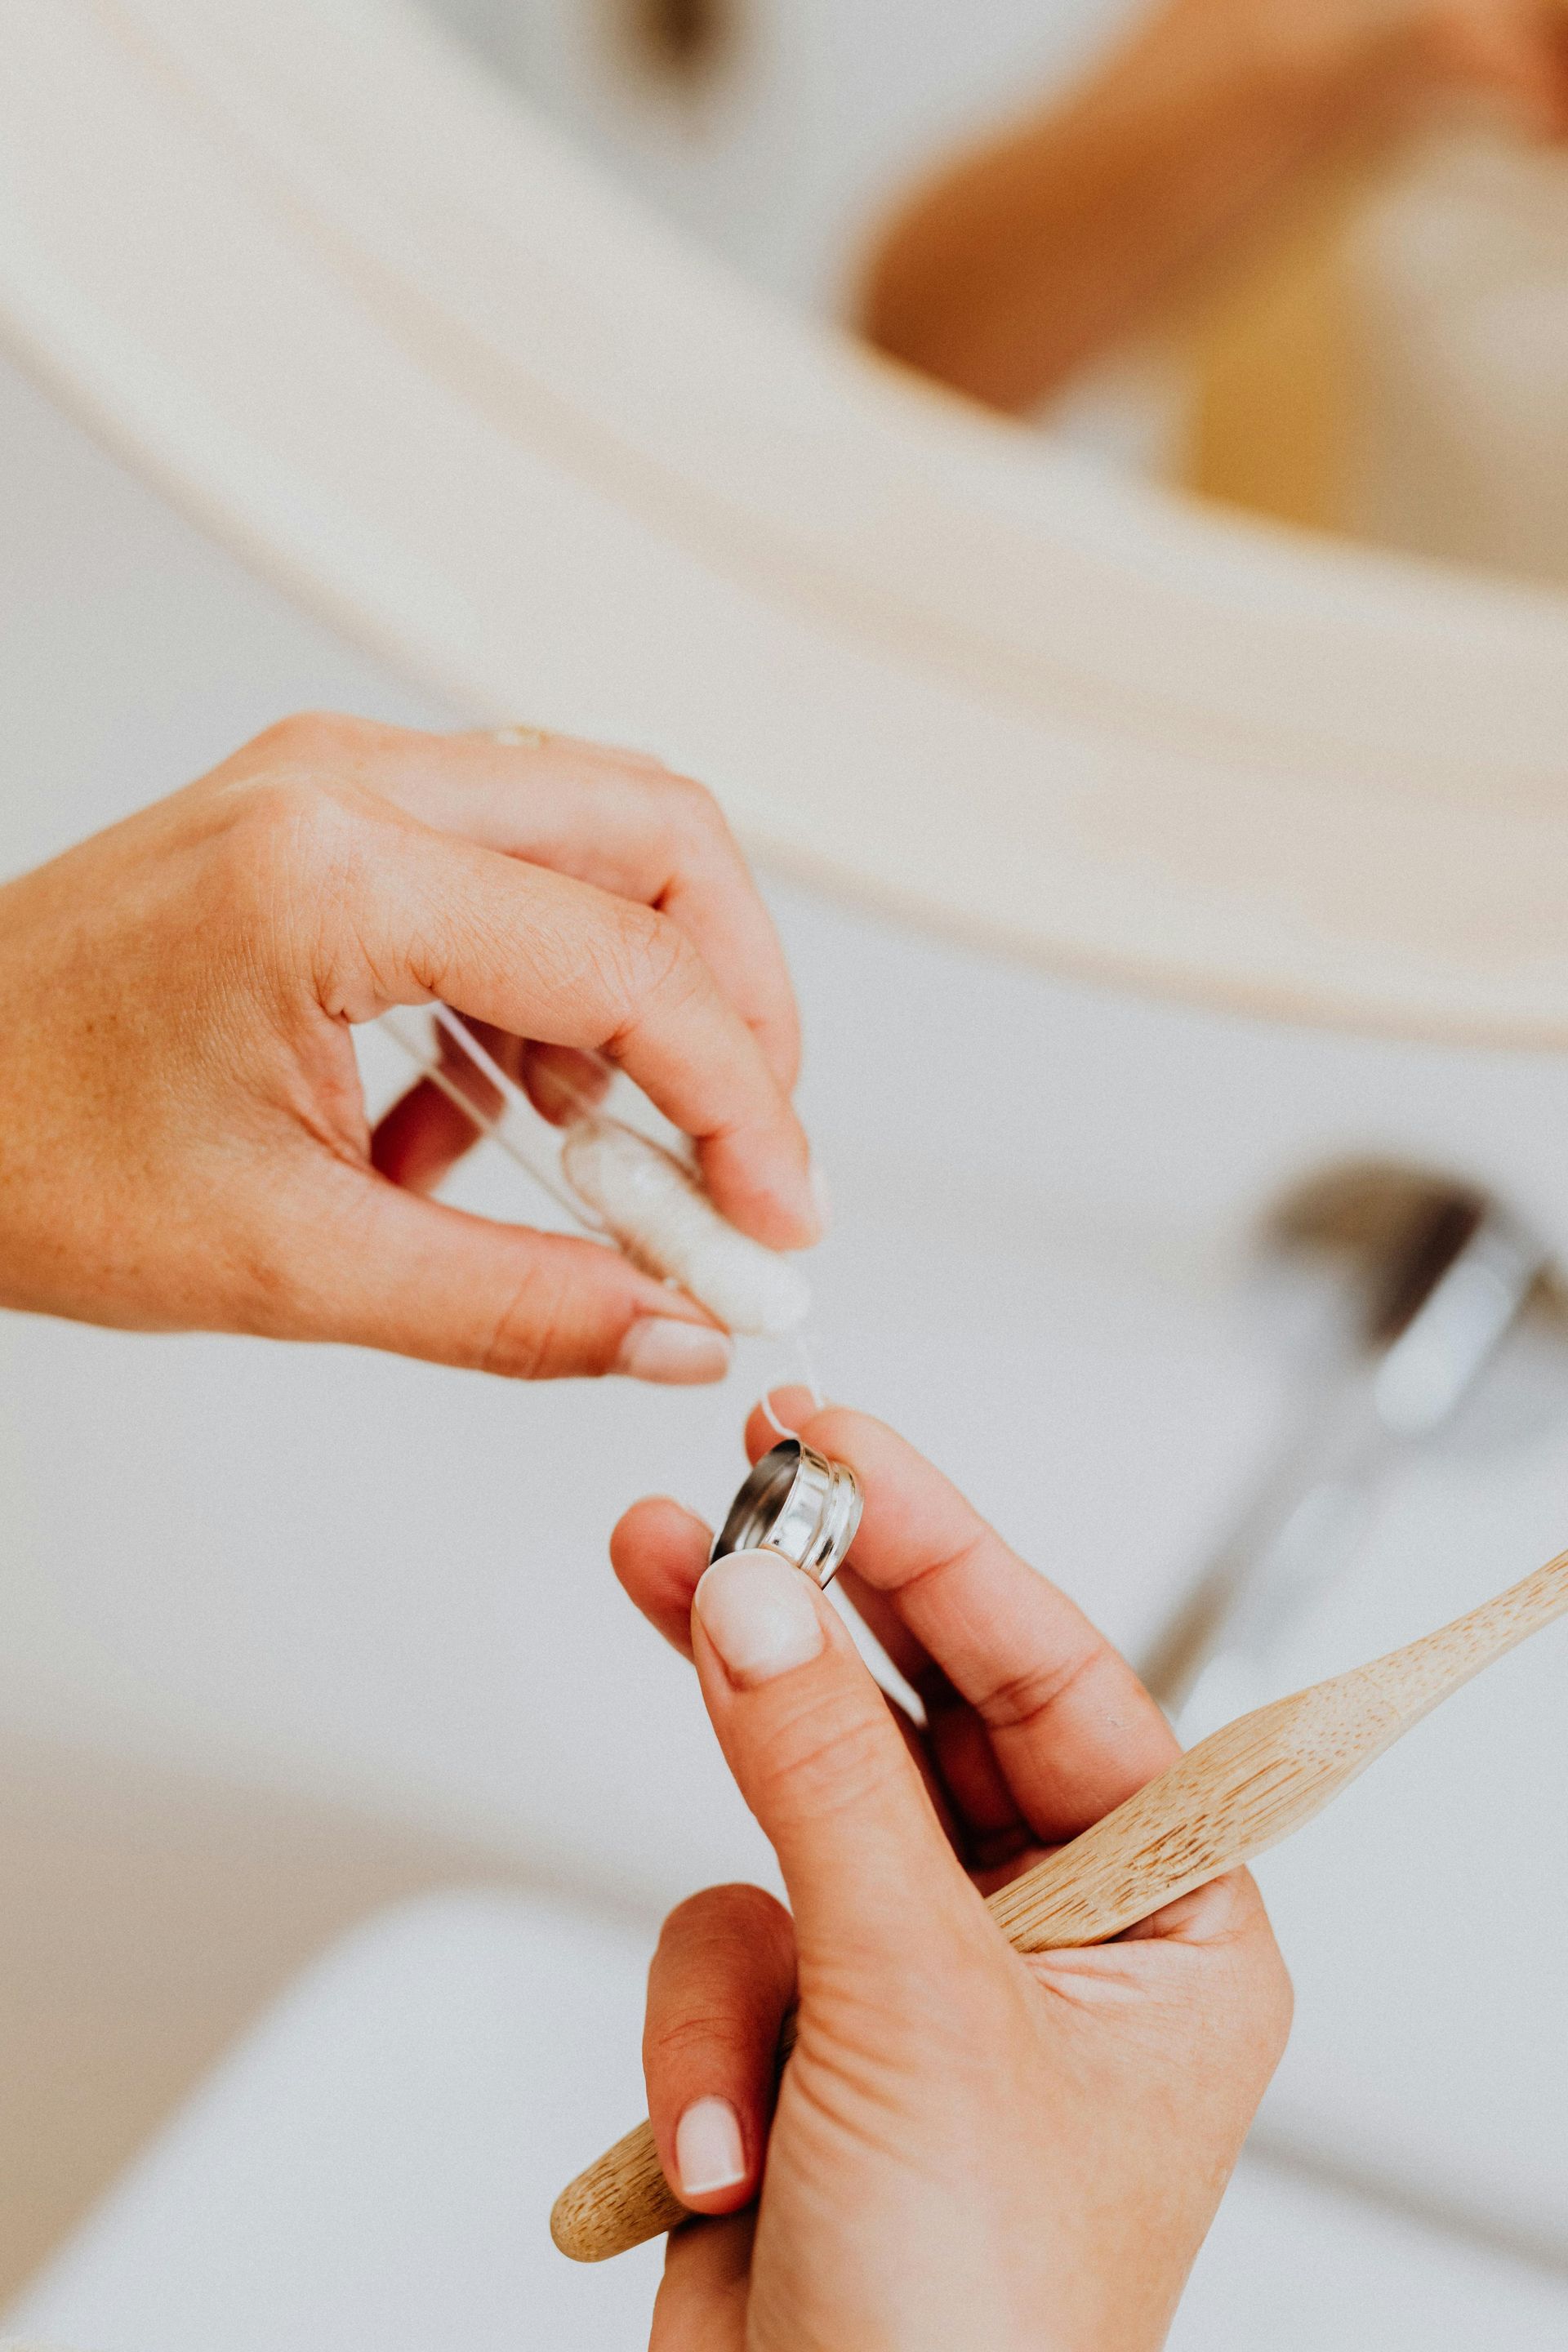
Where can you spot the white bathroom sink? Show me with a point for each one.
(371, 2172)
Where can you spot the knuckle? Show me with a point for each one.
(653, 947)
(273, 1298)
(832, 1756)
(530, 1338)
(653, 964)
(303, 863)
(718, 1981)
(1020, 1701)
(720, 1916)
(696, 2032)
(699, 808)
(314, 738)
(292, 847)
(288, 811)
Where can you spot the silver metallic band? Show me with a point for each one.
(798, 1503)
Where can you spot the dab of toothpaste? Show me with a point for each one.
(663, 1219)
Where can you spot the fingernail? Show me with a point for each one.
(710, 2153)
(657, 1348)
(760, 1613)
(821, 1198)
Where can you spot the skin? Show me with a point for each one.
(185, 1145)
(969, 2148)
(1021, 259)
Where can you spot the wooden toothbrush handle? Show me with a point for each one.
(1234, 1796)
(615, 2204)
(1231, 1797)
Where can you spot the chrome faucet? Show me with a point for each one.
(1443, 1274)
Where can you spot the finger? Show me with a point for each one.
(821, 1762)
(374, 1266)
(702, 2296)
(789, 1407)
(971, 1792)
(957, 1761)
(1211, 1954)
(659, 1550)
(721, 1983)
(547, 957)
(617, 819)
(1225, 1910)
(1070, 1726)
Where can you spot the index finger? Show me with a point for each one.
(1071, 1727)
(620, 819)
(562, 961)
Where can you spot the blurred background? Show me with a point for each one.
(1359, 330)
(287, 1637)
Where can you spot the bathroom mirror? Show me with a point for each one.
(509, 339)
(1332, 242)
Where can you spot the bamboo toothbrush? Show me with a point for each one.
(1231, 1797)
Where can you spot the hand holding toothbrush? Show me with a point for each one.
(971, 2147)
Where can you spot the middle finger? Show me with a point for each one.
(1070, 1727)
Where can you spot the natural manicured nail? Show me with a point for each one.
(760, 1613)
(821, 1198)
(710, 2153)
(658, 1347)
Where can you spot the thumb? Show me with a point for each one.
(822, 1763)
(392, 1270)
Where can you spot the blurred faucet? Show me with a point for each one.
(1441, 1274)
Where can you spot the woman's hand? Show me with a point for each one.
(971, 2151)
(184, 1142)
